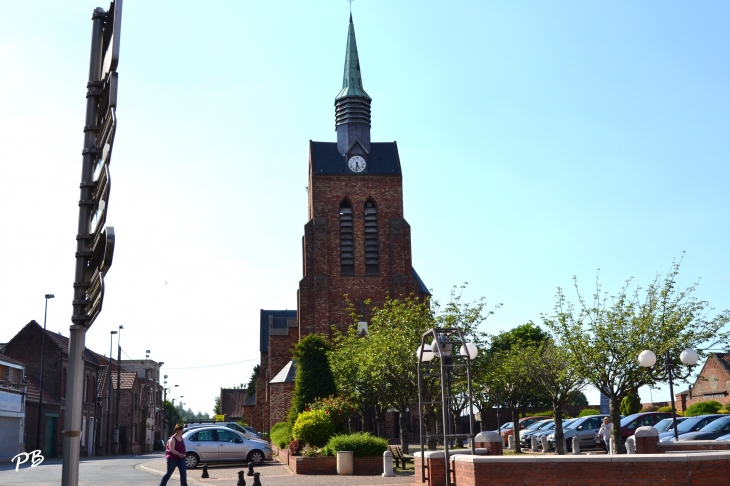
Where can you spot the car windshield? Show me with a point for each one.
(689, 424)
(663, 425)
(534, 426)
(627, 420)
(715, 425)
(508, 425)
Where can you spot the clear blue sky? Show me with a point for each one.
(539, 140)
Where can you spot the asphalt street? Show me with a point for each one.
(146, 470)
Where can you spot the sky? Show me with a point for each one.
(538, 140)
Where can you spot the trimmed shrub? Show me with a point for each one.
(361, 445)
(630, 404)
(280, 434)
(313, 427)
(710, 406)
(668, 408)
(589, 411)
(314, 379)
(651, 408)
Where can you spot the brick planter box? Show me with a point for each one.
(362, 466)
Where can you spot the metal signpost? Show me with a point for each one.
(94, 241)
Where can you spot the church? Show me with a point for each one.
(356, 243)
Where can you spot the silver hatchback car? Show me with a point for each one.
(221, 444)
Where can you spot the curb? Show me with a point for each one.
(146, 469)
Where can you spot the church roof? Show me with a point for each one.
(327, 160)
(421, 286)
(279, 319)
(352, 78)
(287, 374)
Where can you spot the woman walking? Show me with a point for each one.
(175, 457)
(605, 432)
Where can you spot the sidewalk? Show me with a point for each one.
(273, 473)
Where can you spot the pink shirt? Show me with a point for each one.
(179, 446)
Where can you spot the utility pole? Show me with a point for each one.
(109, 393)
(119, 389)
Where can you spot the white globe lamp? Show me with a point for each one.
(427, 353)
(647, 358)
(689, 357)
(469, 349)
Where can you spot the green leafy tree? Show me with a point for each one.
(172, 416)
(217, 405)
(577, 398)
(251, 386)
(555, 376)
(605, 335)
(314, 379)
(631, 403)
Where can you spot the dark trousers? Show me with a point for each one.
(171, 465)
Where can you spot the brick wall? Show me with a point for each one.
(280, 402)
(313, 465)
(713, 383)
(680, 469)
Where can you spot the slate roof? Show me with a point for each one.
(327, 160)
(724, 359)
(421, 286)
(280, 318)
(251, 402)
(287, 374)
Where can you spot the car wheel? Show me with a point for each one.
(256, 457)
(191, 460)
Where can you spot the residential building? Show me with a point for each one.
(13, 390)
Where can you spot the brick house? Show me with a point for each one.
(712, 383)
(232, 402)
(356, 242)
(130, 416)
(25, 347)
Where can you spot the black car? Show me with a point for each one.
(690, 424)
(711, 431)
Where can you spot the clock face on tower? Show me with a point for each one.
(356, 163)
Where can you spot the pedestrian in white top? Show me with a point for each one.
(605, 432)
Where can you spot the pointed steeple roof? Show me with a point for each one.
(352, 79)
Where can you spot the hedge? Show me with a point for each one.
(313, 427)
(361, 445)
(702, 408)
(280, 434)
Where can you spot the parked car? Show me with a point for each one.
(525, 435)
(249, 432)
(723, 437)
(221, 444)
(524, 423)
(690, 424)
(711, 431)
(583, 427)
(550, 429)
(630, 423)
(666, 425)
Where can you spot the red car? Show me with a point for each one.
(524, 423)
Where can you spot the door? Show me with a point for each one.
(92, 435)
(50, 447)
(587, 431)
(231, 447)
(9, 438)
(206, 445)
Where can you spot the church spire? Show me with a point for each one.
(352, 104)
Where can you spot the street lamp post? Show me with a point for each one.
(119, 388)
(40, 391)
(689, 357)
(443, 342)
(109, 394)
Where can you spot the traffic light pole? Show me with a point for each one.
(77, 335)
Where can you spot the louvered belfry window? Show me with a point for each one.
(372, 252)
(347, 242)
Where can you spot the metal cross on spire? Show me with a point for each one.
(350, 2)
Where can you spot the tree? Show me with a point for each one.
(605, 335)
(251, 386)
(553, 373)
(314, 377)
(172, 416)
(631, 404)
(577, 398)
(217, 406)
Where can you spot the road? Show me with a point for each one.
(117, 471)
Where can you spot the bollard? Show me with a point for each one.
(545, 446)
(256, 481)
(613, 446)
(533, 443)
(388, 464)
(576, 445)
(205, 472)
(631, 445)
(241, 481)
(250, 469)
(511, 442)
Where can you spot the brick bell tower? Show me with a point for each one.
(356, 241)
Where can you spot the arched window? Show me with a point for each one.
(347, 249)
(372, 252)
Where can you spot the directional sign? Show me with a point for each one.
(95, 297)
(110, 45)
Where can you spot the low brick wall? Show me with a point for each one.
(313, 465)
(367, 466)
(644, 446)
(707, 469)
